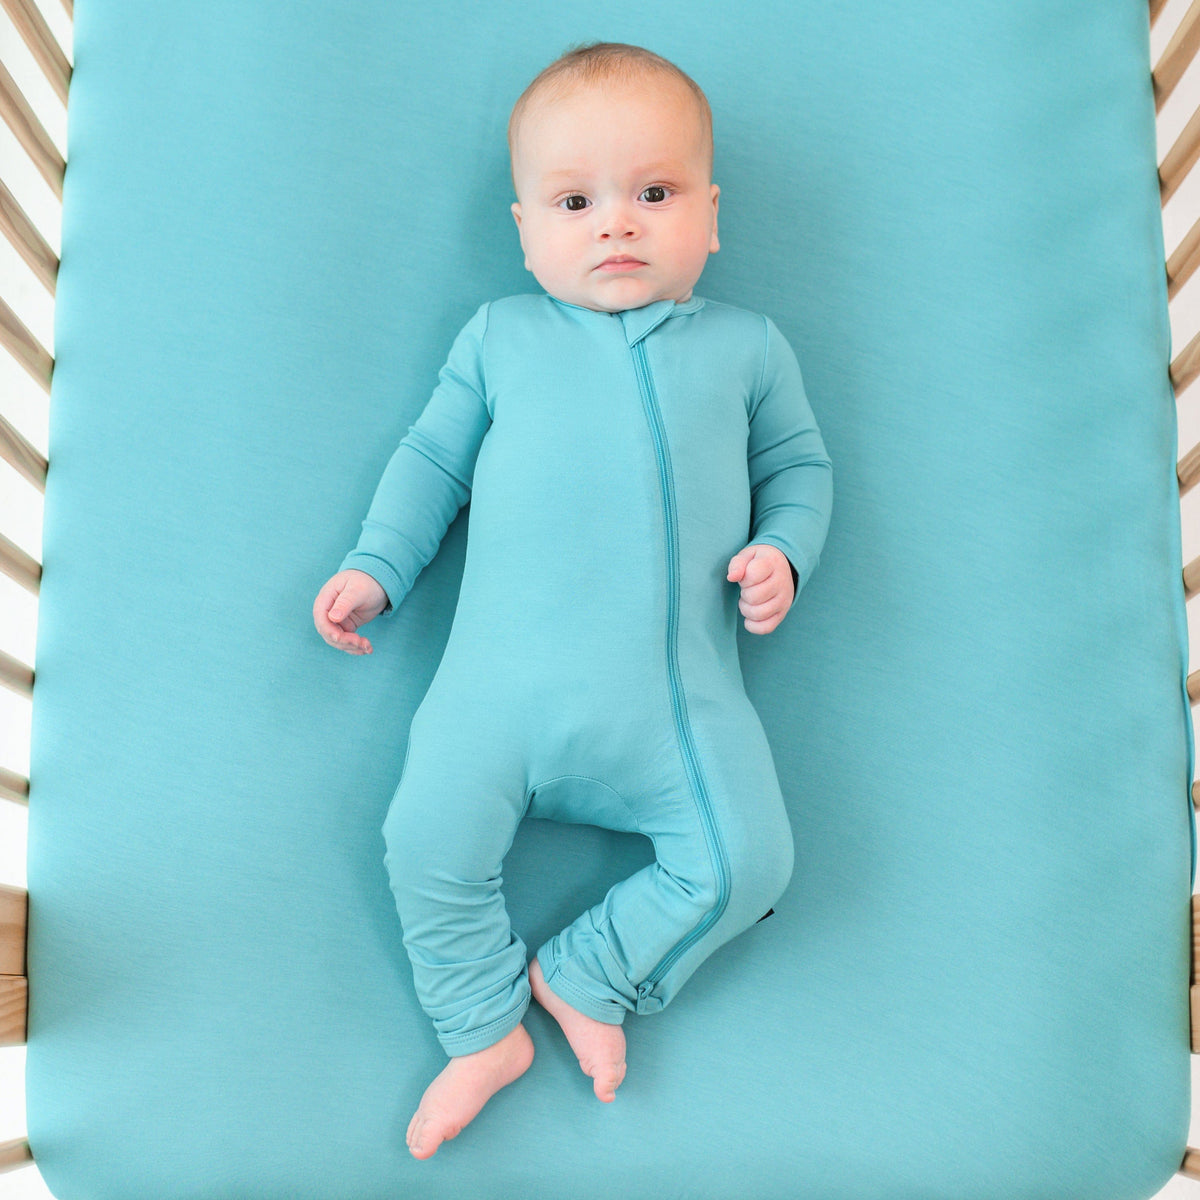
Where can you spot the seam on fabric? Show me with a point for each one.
(762, 375)
(589, 779)
(408, 444)
(556, 976)
(454, 1039)
(487, 320)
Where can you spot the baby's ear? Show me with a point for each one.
(714, 245)
(516, 212)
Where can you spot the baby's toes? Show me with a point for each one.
(606, 1078)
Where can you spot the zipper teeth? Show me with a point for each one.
(682, 726)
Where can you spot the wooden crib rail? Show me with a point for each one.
(15, 108)
(19, 453)
(27, 461)
(15, 1153)
(14, 997)
(24, 347)
(14, 986)
(43, 45)
(1180, 51)
(1181, 264)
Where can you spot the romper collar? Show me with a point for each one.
(637, 322)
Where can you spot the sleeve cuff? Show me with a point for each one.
(381, 572)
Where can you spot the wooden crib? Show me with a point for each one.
(22, 455)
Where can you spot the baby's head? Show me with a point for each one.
(611, 151)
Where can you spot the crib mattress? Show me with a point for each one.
(275, 219)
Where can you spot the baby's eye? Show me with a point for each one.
(574, 203)
(654, 195)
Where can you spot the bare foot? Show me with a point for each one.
(599, 1047)
(466, 1084)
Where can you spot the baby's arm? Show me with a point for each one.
(768, 587)
(791, 488)
(426, 481)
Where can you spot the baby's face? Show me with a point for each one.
(614, 205)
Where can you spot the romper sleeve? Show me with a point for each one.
(428, 478)
(791, 475)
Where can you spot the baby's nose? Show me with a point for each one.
(618, 222)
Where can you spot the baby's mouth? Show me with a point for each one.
(620, 262)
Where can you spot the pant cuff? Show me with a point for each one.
(458, 1044)
(607, 1011)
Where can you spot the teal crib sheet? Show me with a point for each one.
(275, 219)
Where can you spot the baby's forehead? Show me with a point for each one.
(605, 91)
(601, 93)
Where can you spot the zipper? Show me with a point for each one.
(683, 729)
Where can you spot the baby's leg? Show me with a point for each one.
(449, 827)
(724, 857)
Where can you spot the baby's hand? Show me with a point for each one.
(350, 599)
(767, 589)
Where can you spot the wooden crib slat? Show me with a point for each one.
(1195, 934)
(26, 239)
(43, 45)
(24, 347)
(1194, 990)
(31, 133)
(1186, 365)
(14, 919)
(16, 675)
(1179, 158)
(14, 1006)
(1177, 57)
(1191, 578)
(15, 1153)
(13, 787)
(1187, 470)
(22, 455)
(1183, 261)
(19, 566)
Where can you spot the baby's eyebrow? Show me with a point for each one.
(655, 168)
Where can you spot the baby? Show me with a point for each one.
(618, 438)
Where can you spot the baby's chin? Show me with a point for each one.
(616, 300)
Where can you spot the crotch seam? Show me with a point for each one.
(590, 779)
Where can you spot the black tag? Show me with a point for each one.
(768, 913)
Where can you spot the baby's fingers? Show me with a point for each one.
(762, 618)
(333, 616)
(352, 643)
(764, 626)
(737, 564)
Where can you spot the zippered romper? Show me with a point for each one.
(615, 463)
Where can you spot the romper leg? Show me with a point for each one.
(715, 876)
(450, 824)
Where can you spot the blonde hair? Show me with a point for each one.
(599, 62)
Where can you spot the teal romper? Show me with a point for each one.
(615, 463)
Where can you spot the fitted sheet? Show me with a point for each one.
(275, 219)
